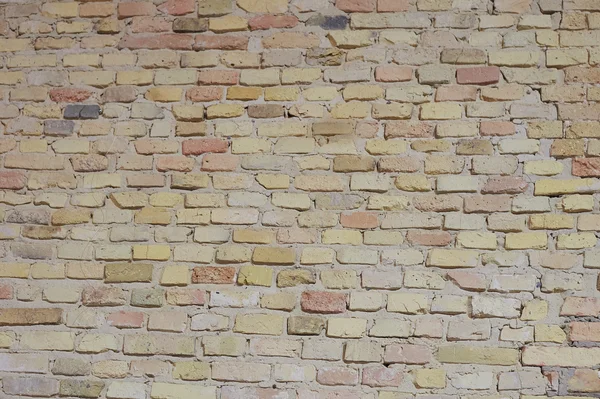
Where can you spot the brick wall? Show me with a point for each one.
(303, 199)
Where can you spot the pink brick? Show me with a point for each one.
(220, 42)
(126, 319)
(582, 331)
(381, 376)
(468, 281)
(264, 22)
(135, 9)
(69, 95)
(323, 302)
(487, 203)
(504, 185)
(173, 41)
(578, 306)
(337, 376)
(586, 167)
(393, 74)
(204, 94)
(456, 93)
(392, 5)
(6, 291)
(12, 180)
(201, 146)
(177, 7)
(213, 275)
(429, 238)
(359, 220)
(355, 5)
(407, 354)
(478, 75)
(176, 163)
(496, 128)
(150, 25)
(219, 163)
(218, 77)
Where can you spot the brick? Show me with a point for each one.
(478, 75)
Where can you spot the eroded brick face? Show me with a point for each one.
(299, 199)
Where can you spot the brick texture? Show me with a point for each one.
(299, 199)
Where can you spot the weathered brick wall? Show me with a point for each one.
(303, 199)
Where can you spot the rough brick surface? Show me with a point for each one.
(299, 199)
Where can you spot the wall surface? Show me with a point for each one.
(304, 199)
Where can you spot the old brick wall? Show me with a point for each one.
(303, 199)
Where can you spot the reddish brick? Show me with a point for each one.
(204, 94)
(150, 25)
(392, 5)
(220, 42)
(487, 203)
(264, 22)
(12, 180)
(174, 41)
(581, 307)
(586, 167)
(359, 220)
(219, 163)
(95, 10)
(582, 331)
(218, 77)
(407, 354)
(135, 9)
(504, 185)
(456, 93)
(337, 376)
(177, 7)
(6, 291)
(468, 281)
(201, 146)
(393, 74)
(355, 5)
(478, 75)
(429, 238)
(381, 376)
(496, 128)
(213, 275)
(323, 302)
(175, 162)
(584, 381)
(125, 319)
(69, 95)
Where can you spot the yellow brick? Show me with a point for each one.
(566, 186)
(224, 111)
(441, 111)
(255, 275)
(578, 203)
(175, 275)
(429, 378)
(526, 241)
(350, 237)
(14, 270)
(151, 252)
(320, 93)
(60, 10)
(543, 168)
(351, 110)
(96, 78)
(341, 327)
(300, 75)
(164, 94)
(274, 256)
(477, 355)
(282, 93)
(77, 60)
(551, 222)
(140, 78)
(386, 147)
(229, 23)
(7, 45)
(33, 145)
(244, 93)
(265, 324)
(576, 241)
(549, 333)
(478, 240)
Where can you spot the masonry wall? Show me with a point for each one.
(304, 199)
